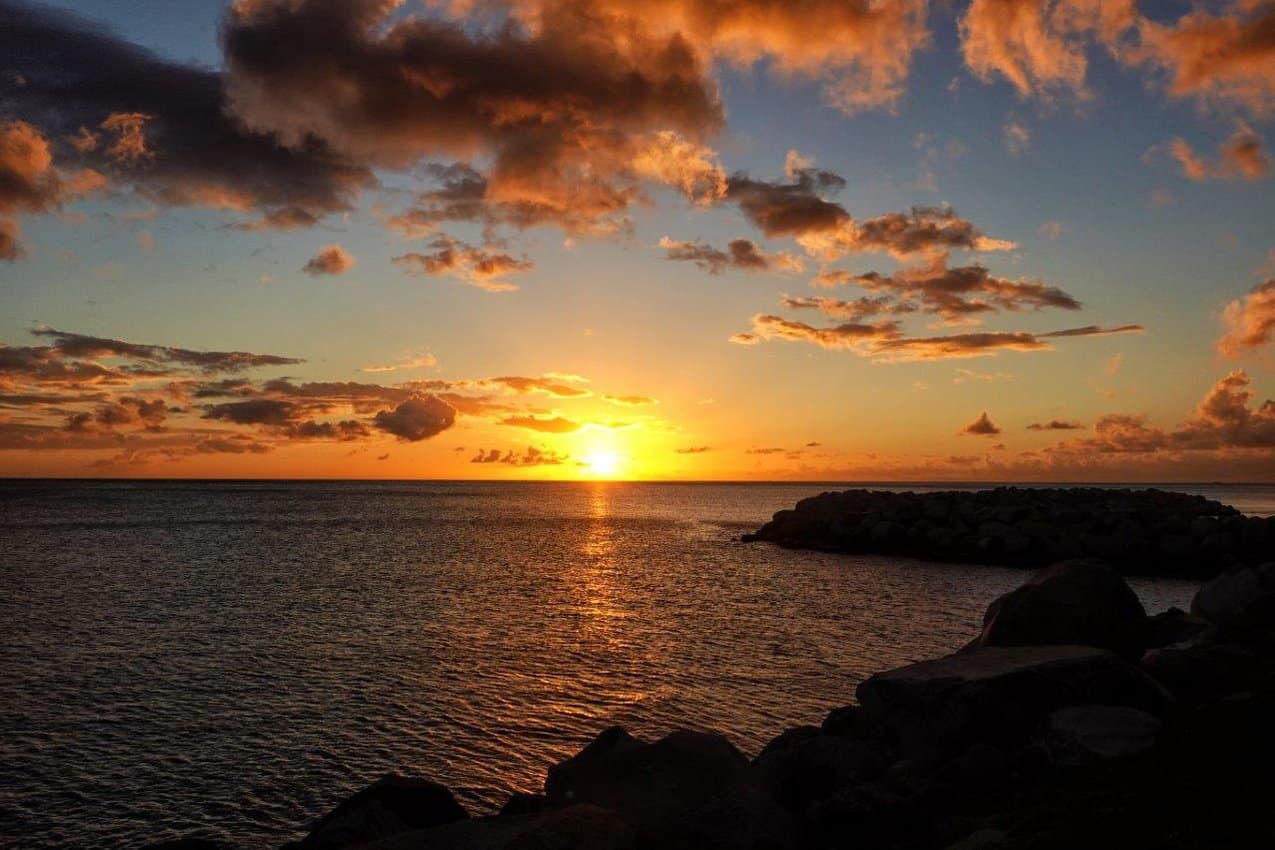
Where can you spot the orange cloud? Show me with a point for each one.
(1243, 155)
(739, 254)
(983, 426)
(1249, 321)
(478, 266)
(330, 260)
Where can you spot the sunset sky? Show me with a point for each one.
(662, 239)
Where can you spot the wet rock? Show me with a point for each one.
(688, 789)
(580, 827)
(387, 807)
(188, 843)
(998, 695)
(1085, 734)
(1080, 602)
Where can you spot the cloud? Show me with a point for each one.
(921, 231)
(694, 450)
(845, 335)
(73, 345)
(1055, 425)
(423, 361)
(531, 457)
(1224, 421)
(629, 400)
(482, 267)
(1052, 229)
(955, 294)
(1018, 138)
(170, 136)
(1225, 57)
(853, 310)
(1249, 321)
(766, 451)
(416, 419)
(554, 425)
(1242, 156)
(981, 427)
(29, 182)
(1094, 330)
(1040, 48)
(739, 254)
(330, 260)
(10, 247)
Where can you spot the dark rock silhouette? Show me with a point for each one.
(388, 807)
(1145, 532)
(1051, 730)
(1081, 602)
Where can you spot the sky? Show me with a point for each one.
(650, 239)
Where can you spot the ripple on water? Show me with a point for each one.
(233, 660)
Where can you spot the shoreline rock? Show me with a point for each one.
(1139, 532)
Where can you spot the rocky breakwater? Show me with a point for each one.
(1143, 532)
(1071, 720)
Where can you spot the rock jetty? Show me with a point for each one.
(1139, 532)
(1073, 719)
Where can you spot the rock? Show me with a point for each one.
(1080, 602)
(998, 695)
(581, 827)
(1150, 532)
(520, 803)
(798, 769)
(1172, 627)
(387, 807)
(1241, 603)
(187, 843)
(688, 789)
(1209, 670)
(1084, 734)
(982, 839)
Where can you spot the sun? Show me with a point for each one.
(603, 463)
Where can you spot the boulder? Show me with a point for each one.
(805, 764)
(1241, 603)
(688, 789)
(1208, 670)
(581, 827)
(391, 805)
(998, 695)
(1172, 627)
(520, 803)
(1080, 602)
(1084, 734)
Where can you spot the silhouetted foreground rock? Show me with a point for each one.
(1051, 729)
(1147, 532)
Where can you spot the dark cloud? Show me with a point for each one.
(694, 450)
(531, 457)
(260, 411)
(739, 254)
(483, 267)
(73, 345)
(1094, 330)
(417, 419)
(1055, 425)
(795, 207)
(983, 426)
(1242, 156)
(169, 133)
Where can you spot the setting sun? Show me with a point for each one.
(603, 463)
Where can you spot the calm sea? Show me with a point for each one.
(233, 659)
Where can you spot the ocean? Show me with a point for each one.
(232, 659)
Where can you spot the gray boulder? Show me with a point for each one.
(1081, 602)
(999, 695)
(388, 807)
(1084, 734)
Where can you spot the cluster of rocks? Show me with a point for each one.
(1072, 719)
(1146, 532)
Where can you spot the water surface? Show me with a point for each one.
(234, 658)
